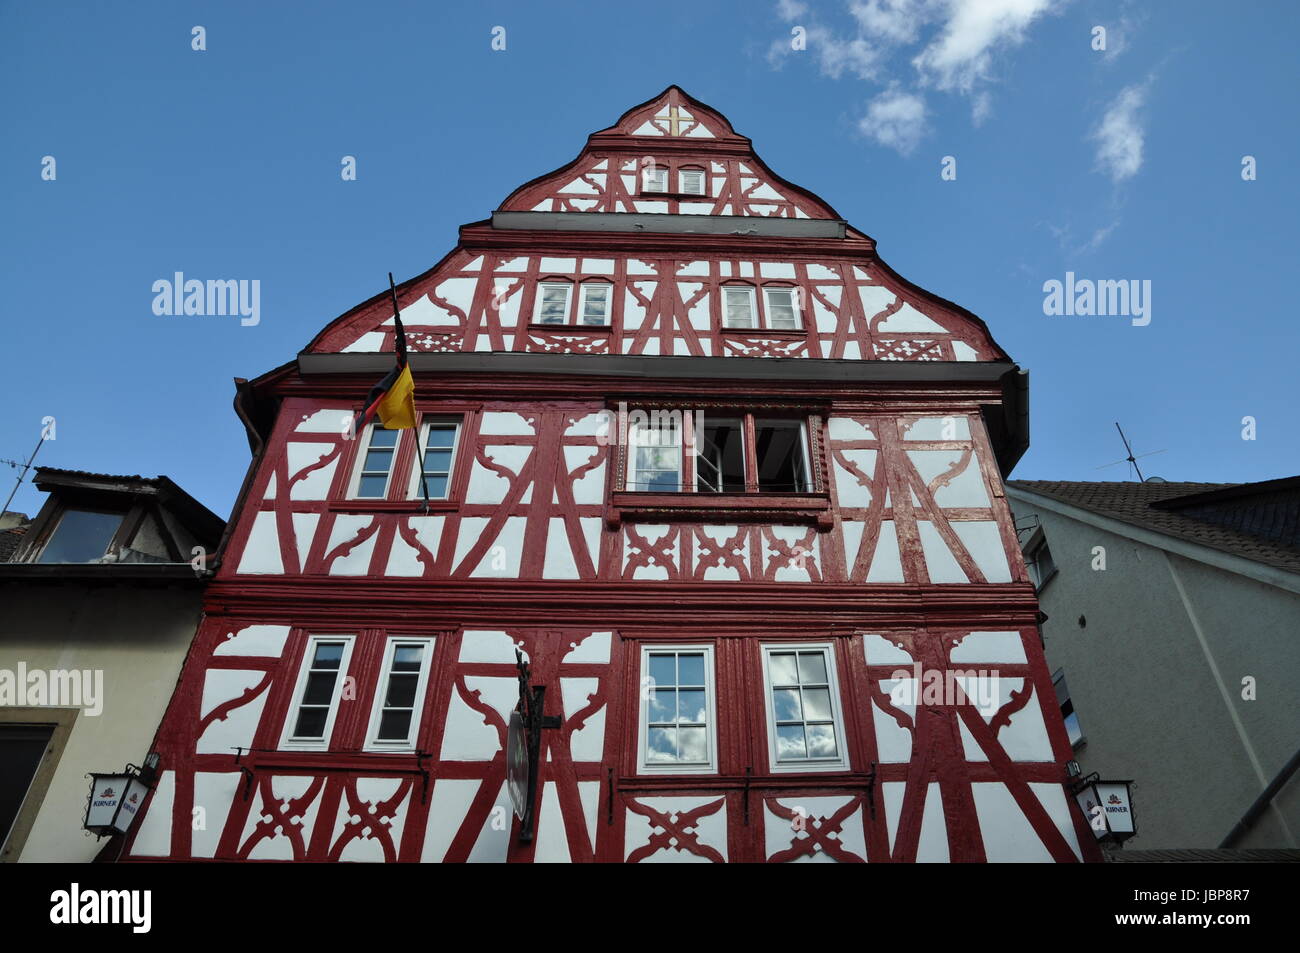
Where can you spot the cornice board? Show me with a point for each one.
(739, 225)
(659, 367)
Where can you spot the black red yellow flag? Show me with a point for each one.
(393, 398)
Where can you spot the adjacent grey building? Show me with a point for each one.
(1173, 631)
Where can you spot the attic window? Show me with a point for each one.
(692, 181)
(81, 536)
(654, 180)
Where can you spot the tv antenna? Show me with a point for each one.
(1131, 459)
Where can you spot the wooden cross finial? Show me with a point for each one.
(674, 119)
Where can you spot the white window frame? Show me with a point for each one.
(634, 444)
(711, 705)
(756, 322)
(354, 485)
(373, 742)
(287, 740)
(417, 466)
(681, 181)
(650, 176)
(580, 318)
(810, 765)
(541, 297)
(794, 307)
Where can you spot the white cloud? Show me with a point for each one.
(1120, 136)
(895, 118)
(962, 54)
(965, 38)
(895, 21)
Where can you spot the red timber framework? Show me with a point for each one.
(844, 666)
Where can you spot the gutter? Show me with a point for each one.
(1262, 802)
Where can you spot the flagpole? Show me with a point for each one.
(399, 345)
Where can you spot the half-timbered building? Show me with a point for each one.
(732, 486)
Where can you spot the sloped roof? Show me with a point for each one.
(1203, 856)
(1136, 503)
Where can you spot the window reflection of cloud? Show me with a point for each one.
(786, 704)
(817, 703)
(663, 705)
(821, 741)
(661, 745)
(694, 744)
(790, 743)
(690, 706)
(782, 668)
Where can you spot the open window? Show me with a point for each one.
(671, 452)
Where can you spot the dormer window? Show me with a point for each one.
(81, 536)
(553, 302)
(738, 307)
(782, 314)
(595, 303)
(691, 181)
(654, 179)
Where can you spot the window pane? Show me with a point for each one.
(1073, 729)
(311, 723)
(555, 304)
(401, 691)
(692, 182)
(379, 437)
(436, 487)
(437, 461)
(320, 688)
(81, 537)
(817, 704)
(780, 310)
(690, 706)
(690, 668)
(812, 668)
(378, 461)
(662, 670)
(655, 180)
(785, 703)
(779, 447)
(661, 745)
(789, 743)
(693, 745)
(372, 487)
(781, 665)
(595, 303)
(441, 436)
(394, 725)
(663, 706)
(328, 655)
(739, 312)
(821, 741)
(407, 658)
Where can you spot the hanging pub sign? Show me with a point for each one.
(1108, 806)
(524, 748)
(115, 799)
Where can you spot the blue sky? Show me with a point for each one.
(1116, 164)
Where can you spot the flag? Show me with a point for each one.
(393, 398)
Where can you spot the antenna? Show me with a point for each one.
(1131, 460)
